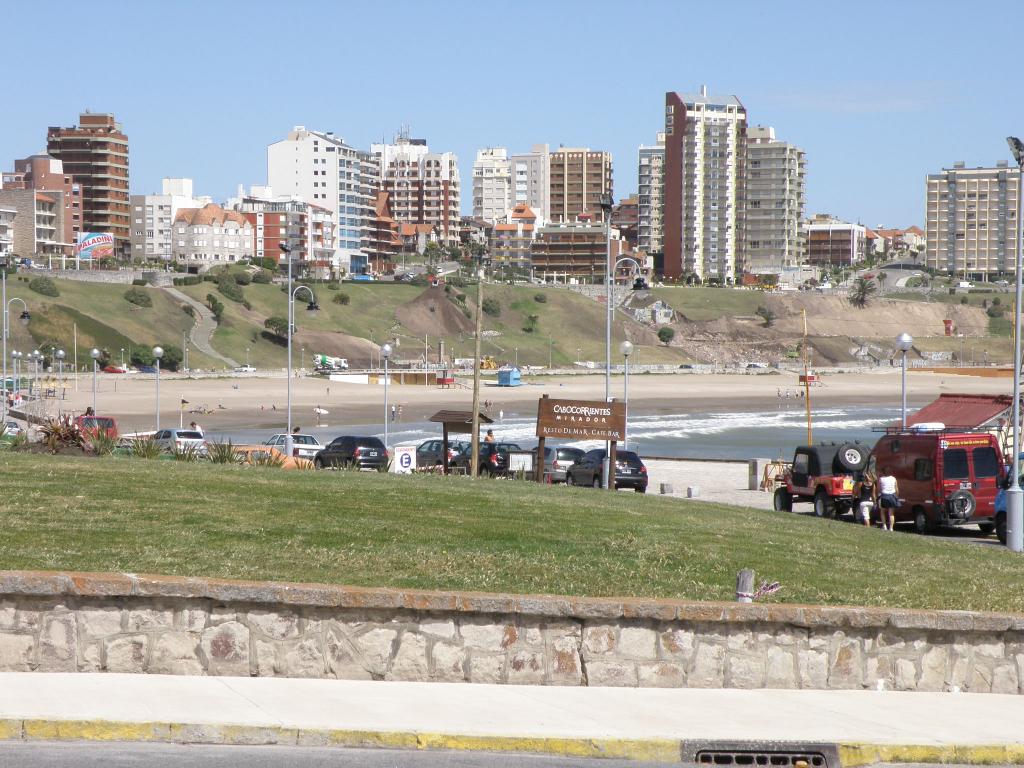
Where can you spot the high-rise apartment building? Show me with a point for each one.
(37, 227)
(511, 239)
(972, 222)
(705, 150)
(579, 178)
(626, 219)
(153, 218)
(7, 216)
(531, 181)
(422, 186)
(492, 184)
(46, 174)
(834, 242)
(774, 200)
(650, 200)
(95, 154)
(320, 168)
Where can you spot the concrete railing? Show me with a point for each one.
(157, 624)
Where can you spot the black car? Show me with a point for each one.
(493, 458)
(428, 453)
(354, 452)
(630, 472)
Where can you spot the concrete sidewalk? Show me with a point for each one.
(633, 723)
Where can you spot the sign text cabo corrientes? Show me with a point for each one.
(581, 419)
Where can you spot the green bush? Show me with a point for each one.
(140, 281)
(189, 280)
(188, 310)
(209, 278)
(246, 304)
(223, 453)
(243, 278)
(491, 307)
(172, 357)
(666, 334)
(230, 288)
(540, 298)
(43, 286)
(994, 311)
(142, 356)
(964, 300)
(145, 448)
(216, 306)
(262, 277)
(996, 301)
(277, 325)
(455, 281)
(333, 286)
(342, 298)
(269, 262)
(531, 323)
(138, 297)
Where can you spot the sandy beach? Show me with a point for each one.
(259, 401)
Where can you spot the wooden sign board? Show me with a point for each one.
(581, 419)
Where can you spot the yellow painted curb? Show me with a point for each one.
(859, 754)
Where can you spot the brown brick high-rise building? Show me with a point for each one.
(95, 154)
(578, 178)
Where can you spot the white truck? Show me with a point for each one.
(328, 363)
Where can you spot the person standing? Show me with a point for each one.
(865, 492)
(888, 498)
(490, 436)
(394, 411)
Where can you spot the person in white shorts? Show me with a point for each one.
(865, 492)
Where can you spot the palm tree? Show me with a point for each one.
(862, 292)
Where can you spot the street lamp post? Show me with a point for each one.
(15, 357)
(158, 352)
(903, 343)
(59, 354)
(6, 306)
(291, 324)
(95, 355)
(626, 348)
(1014, 494)
(385, 352)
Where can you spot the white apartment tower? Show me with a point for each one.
(320, 168)
(423, 186)
(705, 151)
(774, 203)
(153, 217)
(651, 201)
(972, 223)
(531, 181)
(492, 184)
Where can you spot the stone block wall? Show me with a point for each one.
(71, 622)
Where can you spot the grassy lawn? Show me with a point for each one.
(699, 304)
(451, 533)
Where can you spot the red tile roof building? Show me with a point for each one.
(208, 236)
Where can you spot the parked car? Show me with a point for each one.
(558, 460)
(145, 368)
(253, 454)
(354, 452)
(245, 369)
(114, 369)
(303, 446)
(428, 453)
(630, 471)
(946, 478)
(93, 424)
(493, 459)
(823, 474)
(172, 440)
(10, 429)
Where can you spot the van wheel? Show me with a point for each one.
(783, 500)
(1001, 528)
(823, 505)
(921, 524)
(986, 528)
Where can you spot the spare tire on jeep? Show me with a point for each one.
(851, 457)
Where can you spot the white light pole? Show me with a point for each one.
(25, 316)
(626, 348)
(1014, 494)
(312, 307)
(95, 355)
(60, 355)
(385, 352)
(15, 357)
(158, 352)
(903, 343)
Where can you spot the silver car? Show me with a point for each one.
(303, 446)
(558, 460)
(172, 440)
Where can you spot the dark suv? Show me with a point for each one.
(429, 452)
(493, 458)
(354, 452)
(630, 472)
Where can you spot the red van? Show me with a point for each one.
(945, 477)
(94, 424)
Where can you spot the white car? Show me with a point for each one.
(178, 439)
(245, 369)
(303, 446)
(10, 429)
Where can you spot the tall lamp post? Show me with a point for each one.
(385, 352)
(626, 348)
(60, 355)
(25, 317)
(15, 357)
(158, 352)
(95, 355)
(903, 343)
(1014, 494)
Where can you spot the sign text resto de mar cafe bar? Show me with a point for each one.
(581, 419)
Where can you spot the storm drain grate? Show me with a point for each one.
(761, 755)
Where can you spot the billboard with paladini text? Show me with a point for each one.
(94, 246)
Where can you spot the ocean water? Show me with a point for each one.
(714, 434)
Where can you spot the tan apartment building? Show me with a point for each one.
(7, 216)
(774, 200)
(37, 226)
(579, 177)
(833, 242)
(511, 240)
(971, 221)
(95, 154)
(650, 200)
(579, 251)
(46, 174)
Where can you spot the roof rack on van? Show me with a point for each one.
(933, 428)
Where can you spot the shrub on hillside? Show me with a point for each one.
(269, 262)
(277, 326)
(243, 278)
(540, 298)
(994, 311)
(190, 280)
(216, 306)
(455, 281)
(188, 310)
(138, 297)
(230, 288)
(531, 323)
(491, 307)
(666, 334)
(44, 286)
(140, 281)
(342, 298)
(262, 277)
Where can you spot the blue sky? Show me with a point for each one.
(878, 93)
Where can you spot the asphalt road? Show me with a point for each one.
(88, 755)
(968, 534)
